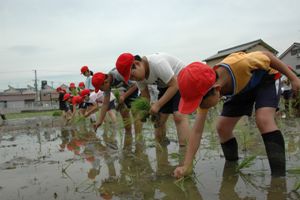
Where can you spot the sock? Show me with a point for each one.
(274, 144)
(230, 149)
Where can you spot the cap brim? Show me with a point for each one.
(97, 89)
(187, 107)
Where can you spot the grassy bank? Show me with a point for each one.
(30, 114)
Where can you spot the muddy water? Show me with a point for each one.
(77, 163)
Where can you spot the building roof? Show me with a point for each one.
(296, 44)
(242, 47)
(12, 90)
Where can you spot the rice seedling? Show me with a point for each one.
(117, 95)
(247, 162)
(118, 105)
(294, 171)
(180, 183)
(141, 106)
(297, 186)
(63, 170)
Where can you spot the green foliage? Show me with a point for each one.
(57, 113)
(117, 95)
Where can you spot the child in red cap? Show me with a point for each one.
(73, 101)
(129, 92)
(84, 106)
(247, 78)
(62, 104)
(95, 100)
(81, 86)
(88, 74)
(159, 69)
(72, 89)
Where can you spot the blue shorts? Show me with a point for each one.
(84, 105)
(287, 94)
(172, 105)
(265, 94)
(111, 105)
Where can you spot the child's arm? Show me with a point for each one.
(145, 93)
(193, 145)
(170, 92)
(127, 93)
(73, 112)
(103, 111)
(277, 64)
(92, 110)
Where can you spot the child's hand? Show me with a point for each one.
(154, 109)
(96, 125)
(121, 99)
(296, 86)
(181, 171)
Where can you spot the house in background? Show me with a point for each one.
(291, 57)
(20, 99)
(17, 97)
(257, 45)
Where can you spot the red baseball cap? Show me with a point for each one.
(77, 100)
(123, 65)
(194, 81)
(98, 80)
(58, 89)
(84, 92)
(66, 96)
(84, 69)
(81, 84)
(72, 85)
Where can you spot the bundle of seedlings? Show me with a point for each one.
(118, 105)
(142, 106)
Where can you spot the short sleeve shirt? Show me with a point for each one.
(162, 67)
(99, 97)
(246, 67)
(118, 82)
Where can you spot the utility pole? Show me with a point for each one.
(36, 86)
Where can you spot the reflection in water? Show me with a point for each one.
(82, 164)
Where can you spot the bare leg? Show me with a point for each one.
(126, 120)
(225, 126)
(182, 127)
(160, 132)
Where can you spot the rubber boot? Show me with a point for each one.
(230, 150)
(274, 144)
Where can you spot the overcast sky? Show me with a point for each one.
(57, 37)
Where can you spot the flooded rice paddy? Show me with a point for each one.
(75, 162)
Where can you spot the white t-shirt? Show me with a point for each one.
(162, 67)
(99, 97)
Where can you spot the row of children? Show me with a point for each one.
(246, 79)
